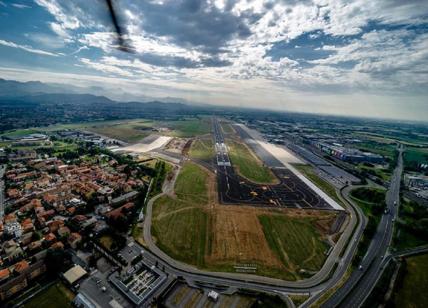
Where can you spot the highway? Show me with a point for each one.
(338, 260)
(359, 285)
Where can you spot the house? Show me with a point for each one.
(74, 274)
(21, 266)
(74, 239)
(63, 231)
(57, 245)
(50, 237)
(55, 225)
(4, 274)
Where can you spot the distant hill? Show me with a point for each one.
(12, 88)
(17, 89)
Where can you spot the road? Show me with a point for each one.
(322, 280)
(359, 285)
(2, 170)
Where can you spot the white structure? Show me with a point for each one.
(287, 158)
(213, 295)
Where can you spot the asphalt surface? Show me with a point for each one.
(359, 285)
(338, 260)
(291, 192)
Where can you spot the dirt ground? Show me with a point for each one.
(237, 236)
(176, 145)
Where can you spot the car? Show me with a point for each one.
(360, 267)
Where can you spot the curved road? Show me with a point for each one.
(359, 285)
(313, 285)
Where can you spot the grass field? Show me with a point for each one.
(56, 295)
(413, 291)
(132, 131)
(248, 165)
(193, 228)
(295, 241)
(414, 157)
(309, 172)
(180, 224)
(202, 149)
(384, 149)
(227, 128)
(189, 127)
(106, 241)
(380, 172)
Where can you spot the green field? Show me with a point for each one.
(414, 157)
(131, 131)
(384, 149)
(227, 128)
(308, 171)
(372, 202)
(189, 127)
(295, 241)
(189, 228)
(56, 295)
(411, 226)
(383, 173)
(180, 224)
(202, 149)
(413, 289)
(248, 165)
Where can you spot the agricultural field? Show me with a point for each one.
(411, 291)
(193, 228)
(406, 138)
(56, 295)
(248, 165)
(202, 149)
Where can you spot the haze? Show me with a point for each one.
(363, 58)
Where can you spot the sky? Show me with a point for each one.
(359, 58)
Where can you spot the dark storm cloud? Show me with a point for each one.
(181, 62)
(195, 24)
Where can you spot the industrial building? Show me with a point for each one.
(349, 154)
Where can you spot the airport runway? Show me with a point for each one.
(232, 189)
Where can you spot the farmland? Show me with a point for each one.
(248, 165)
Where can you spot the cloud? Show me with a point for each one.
(248, 48)
(27, 48)
(21, 6)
